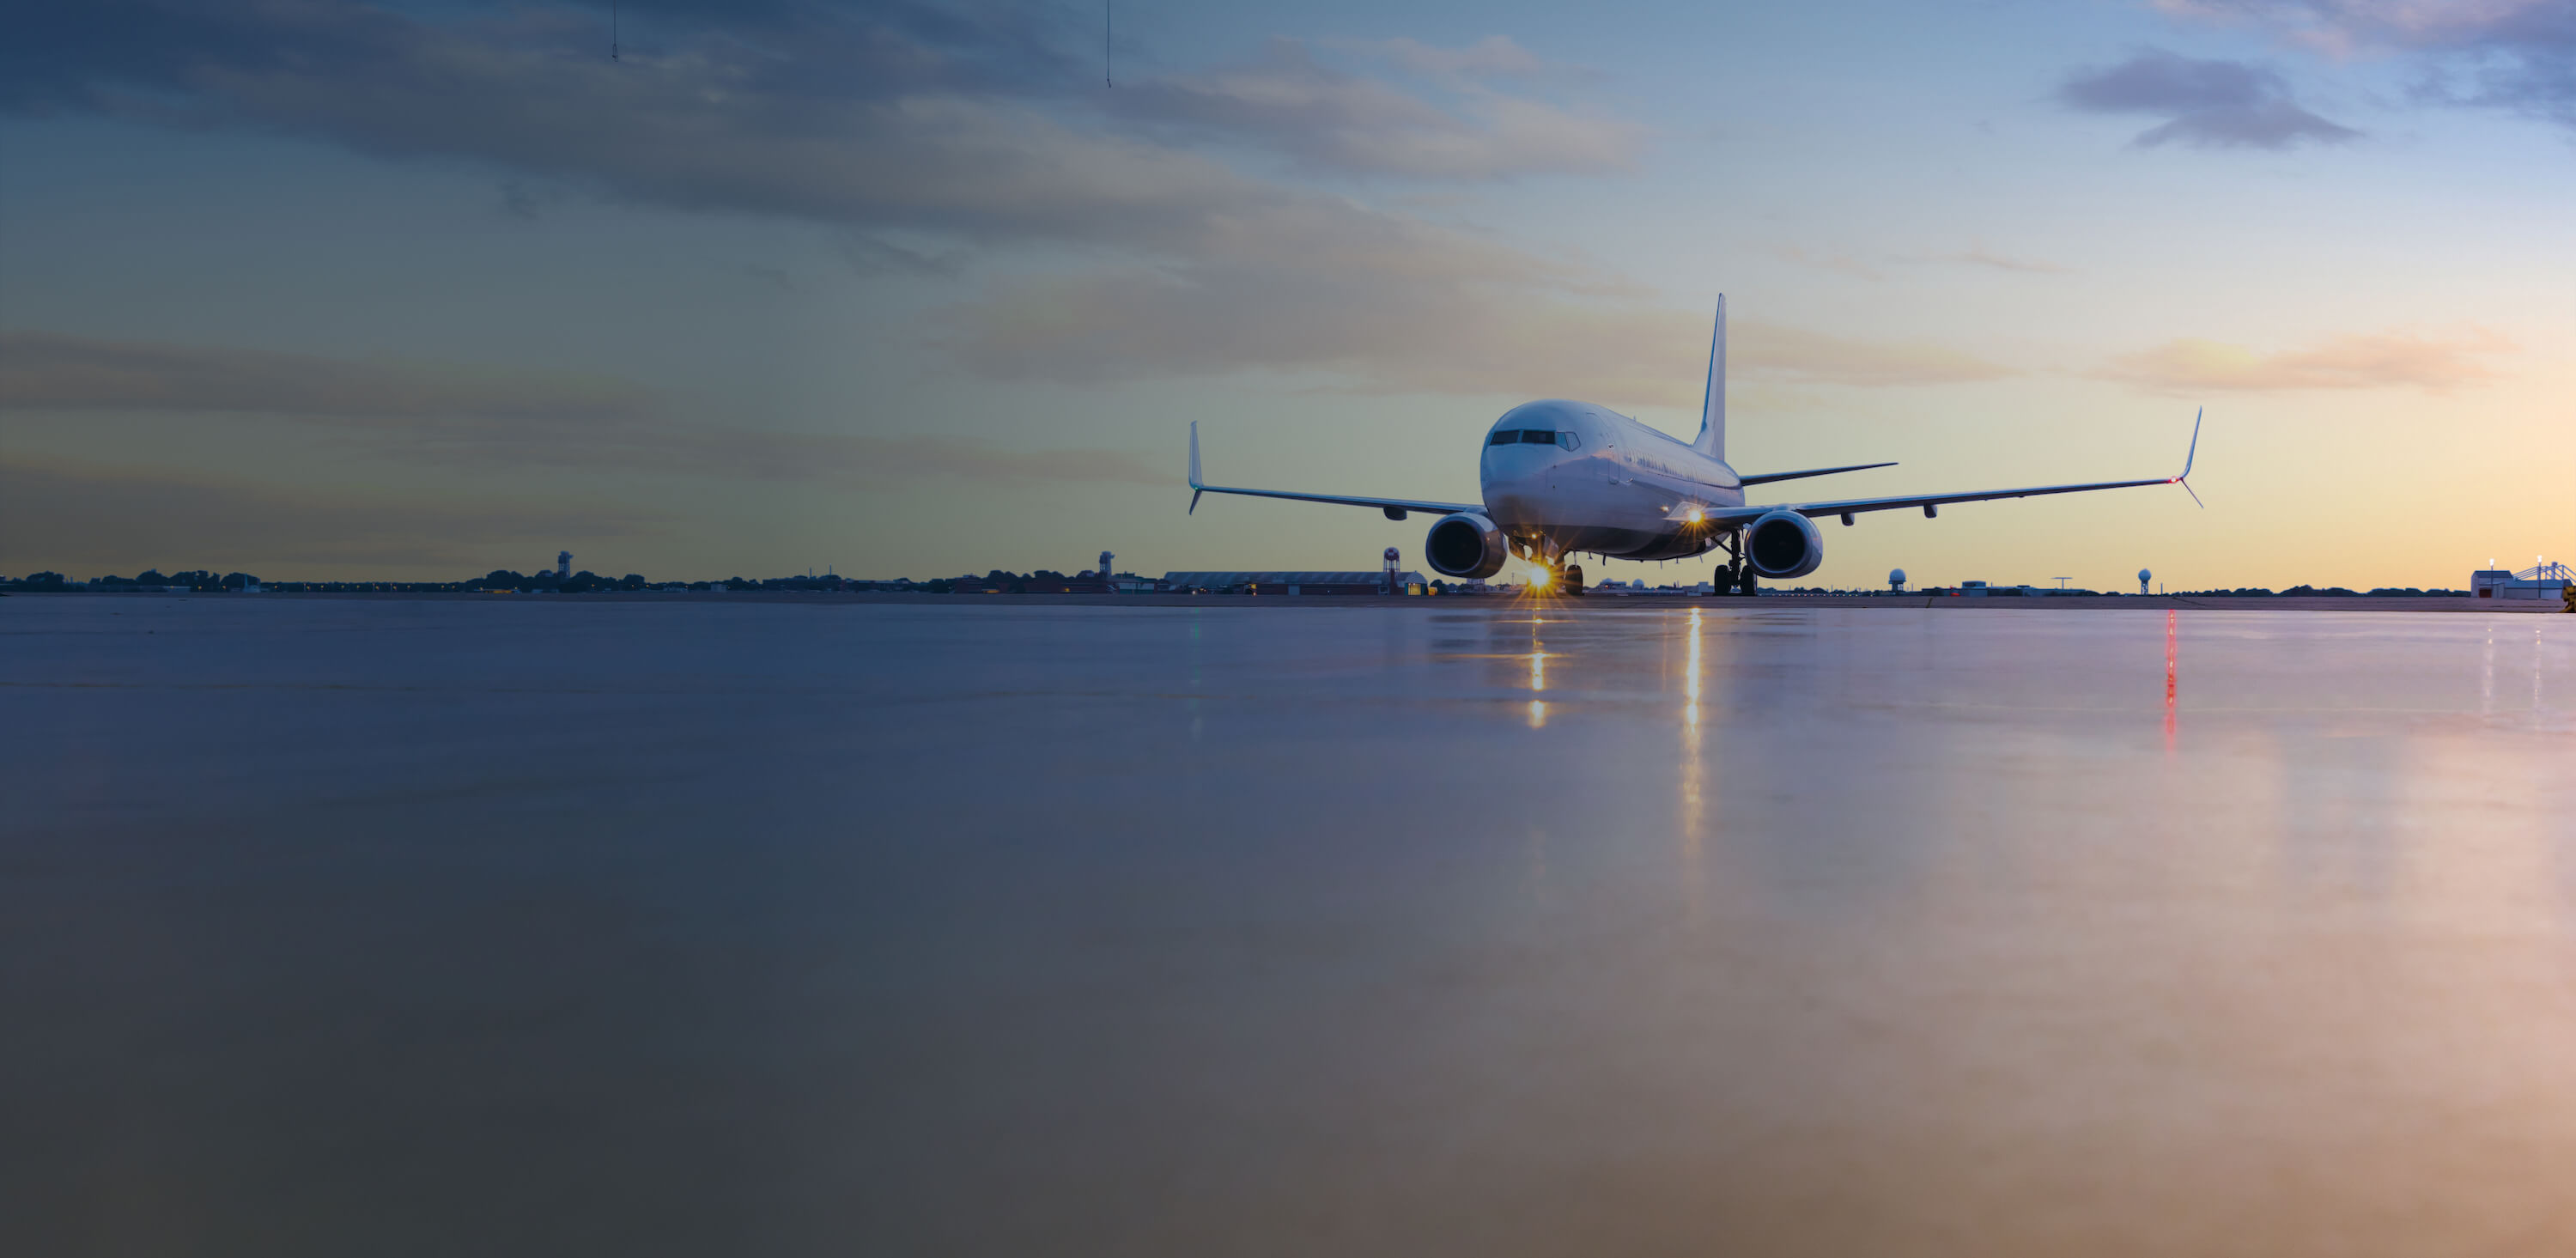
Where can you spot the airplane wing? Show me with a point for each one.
(1768, 477)
(1395, 508)
(1931, 502)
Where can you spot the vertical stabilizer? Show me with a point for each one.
(1712, 404)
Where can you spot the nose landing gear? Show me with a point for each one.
(1563, 576)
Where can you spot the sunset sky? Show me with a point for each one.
(316, 290)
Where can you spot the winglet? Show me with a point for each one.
(2188, 455)
(1195, 488)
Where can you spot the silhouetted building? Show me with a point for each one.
(1300, 583)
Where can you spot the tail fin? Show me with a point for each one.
(1712, 405)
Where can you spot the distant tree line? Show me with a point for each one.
(497, 580)
(998, 580)
(197, 579)
(2332, 591)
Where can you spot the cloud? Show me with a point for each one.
(1087, 328)
(2508, 54)
(2384, 360)
(963, 123)
(950, 130)
(1981, 256)
(485, 419)
(1492, 56)
(1798, 356)
(1976, 255)
(869, 255)
(2208, 104)
(971, 458)
(50, 371)
(88, 519)
(1838, 263)
(1332, 121)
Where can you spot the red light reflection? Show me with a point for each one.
(2169, 679)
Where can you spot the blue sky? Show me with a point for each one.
(315, 289)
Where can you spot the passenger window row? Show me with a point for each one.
(1534, 437)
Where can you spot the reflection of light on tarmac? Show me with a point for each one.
(2169, 679)
(1538, 677)
(1694, 772)
(1690, 675)
(2486, 678)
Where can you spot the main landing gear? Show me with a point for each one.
(1735, 576)
(1564, 579)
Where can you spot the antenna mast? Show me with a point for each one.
(1108, 19)
(612, 30)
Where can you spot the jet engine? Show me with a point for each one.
(1784, 544)
(1466, 545)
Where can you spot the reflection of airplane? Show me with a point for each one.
(1562, 478)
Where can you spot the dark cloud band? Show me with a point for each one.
(2207, 104)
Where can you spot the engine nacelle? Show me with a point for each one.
(1784, 544)
(1466, 545)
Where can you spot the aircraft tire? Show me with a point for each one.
(1572, 584)
(1749, 588)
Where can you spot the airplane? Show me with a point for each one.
(1563, 478)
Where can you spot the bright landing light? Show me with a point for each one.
(1540, 578)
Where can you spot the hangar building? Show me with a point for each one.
(2544, 581)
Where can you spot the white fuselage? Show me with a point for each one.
(1607, 486)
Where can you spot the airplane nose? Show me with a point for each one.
(1512, 494)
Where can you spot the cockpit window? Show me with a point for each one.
(1504, 437)
(1535, 437)
(1569, 441)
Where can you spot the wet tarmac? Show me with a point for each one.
(522, 926)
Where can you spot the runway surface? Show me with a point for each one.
(522, 926)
